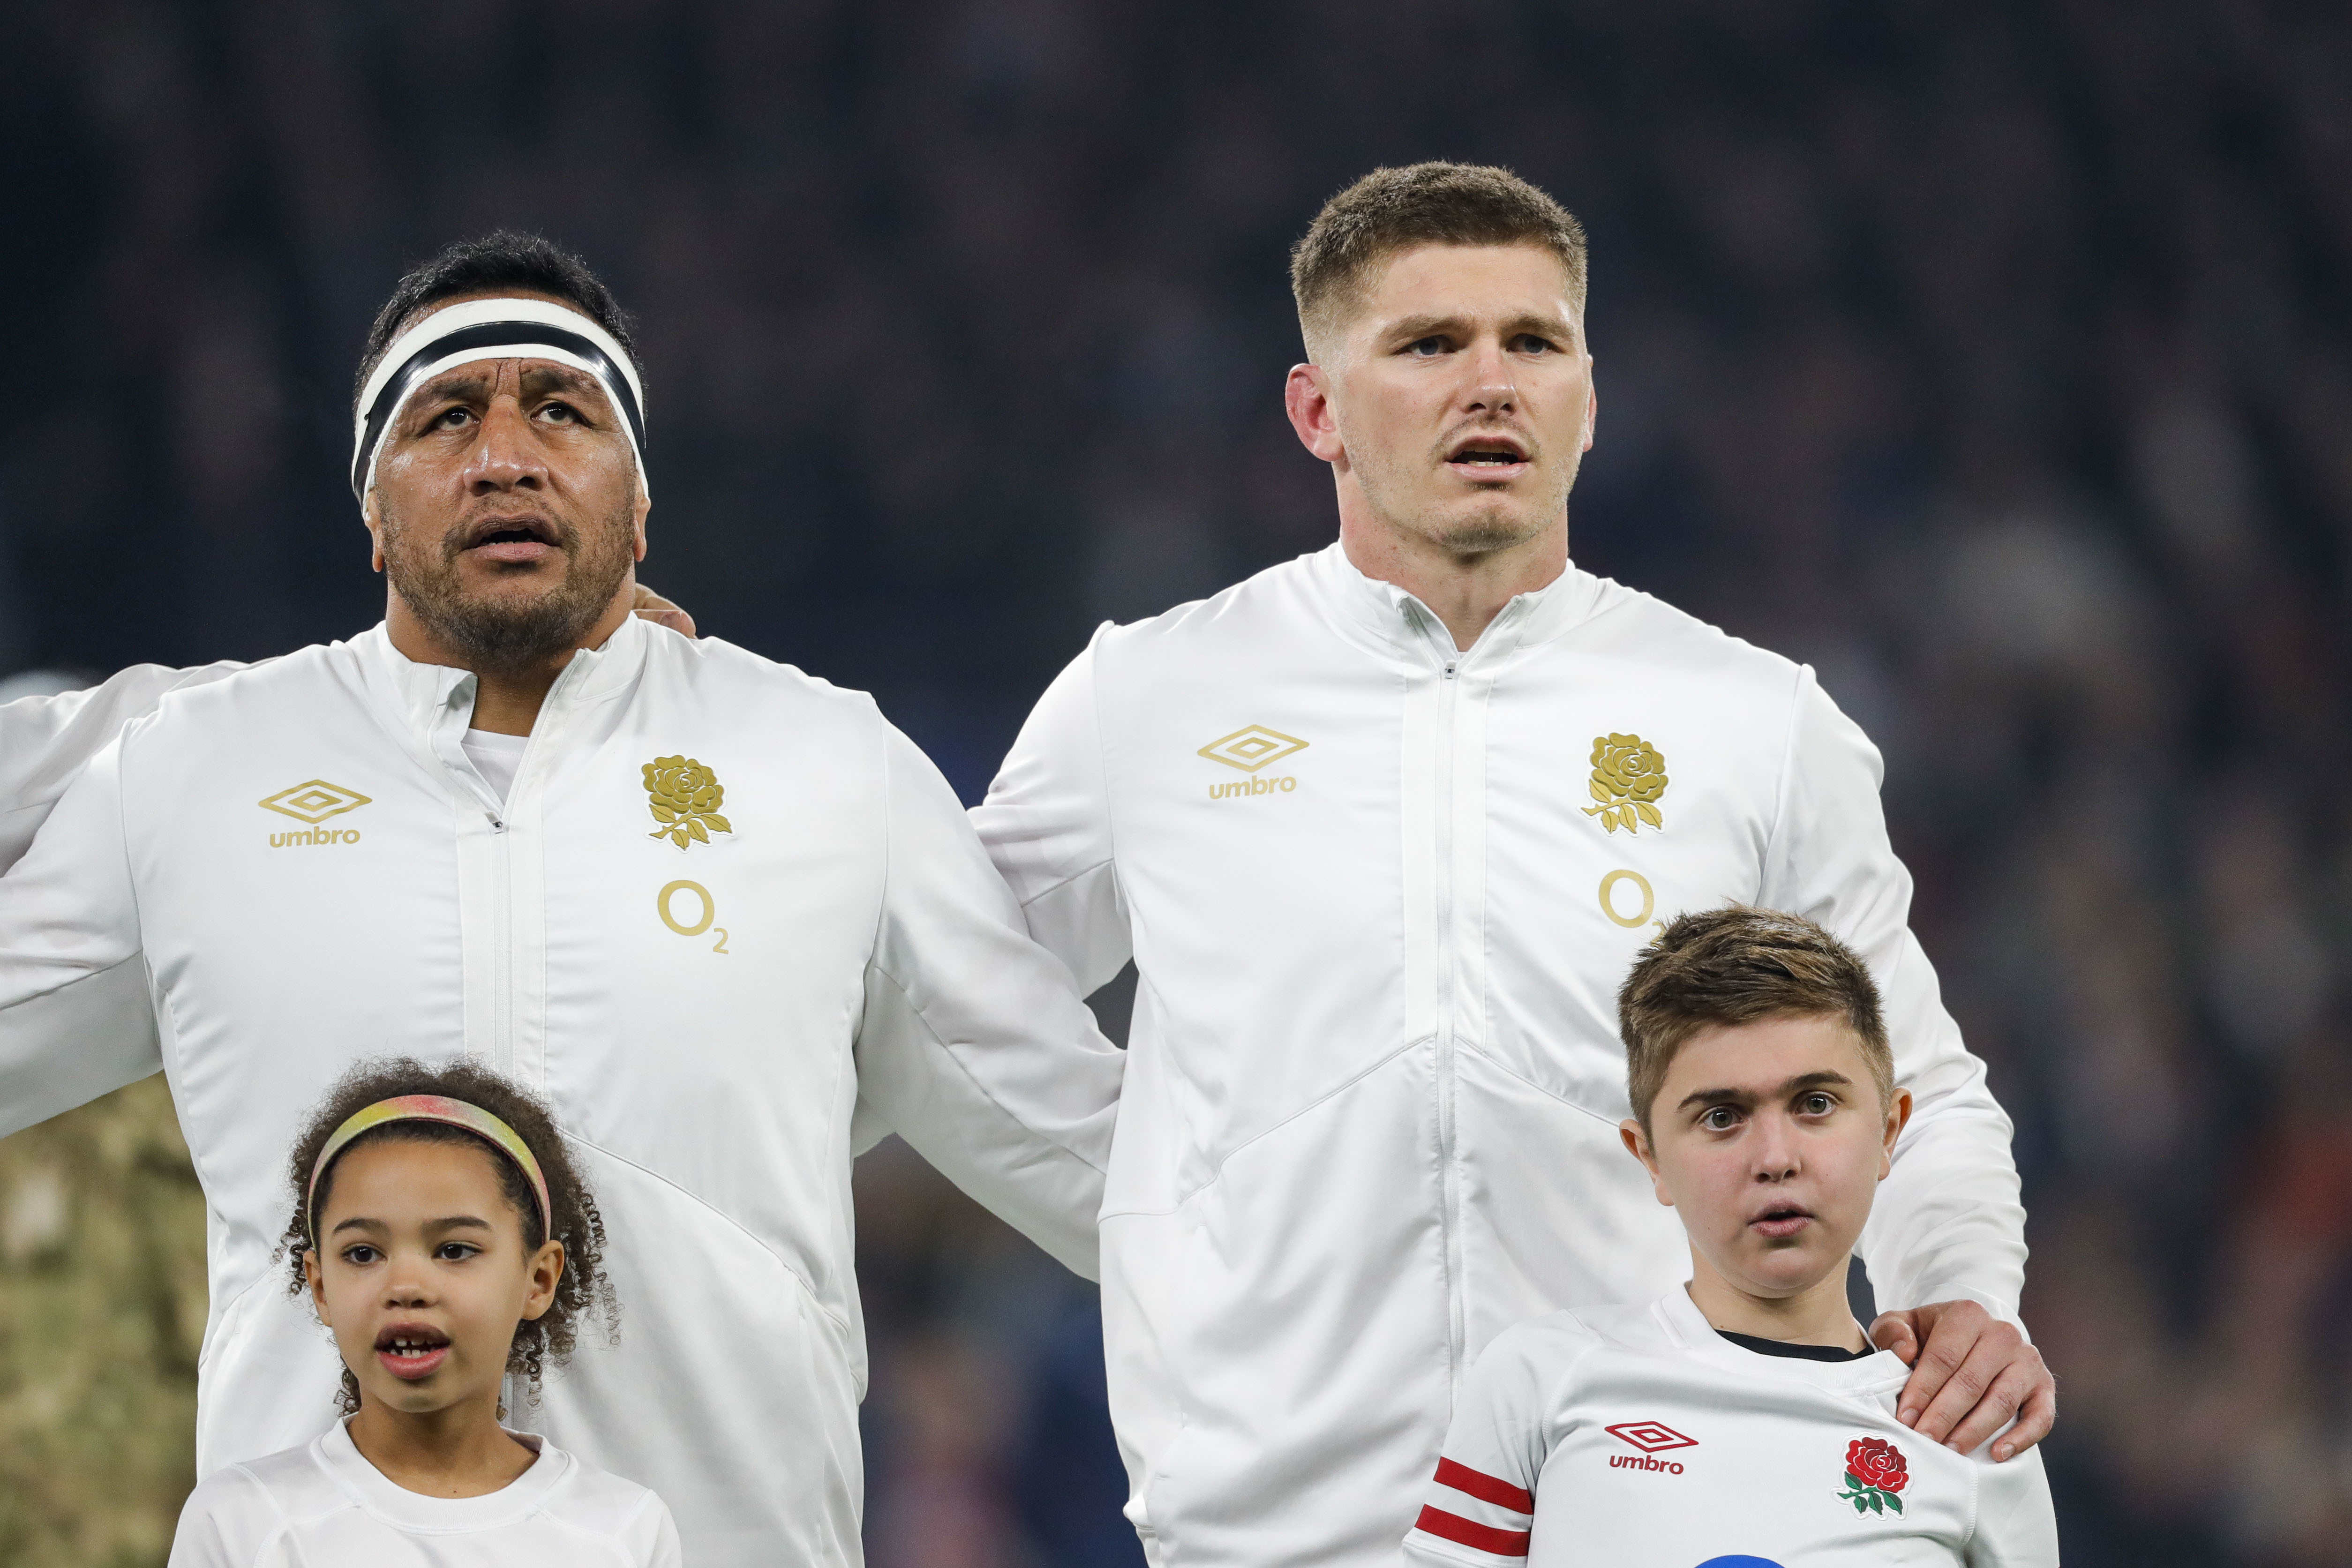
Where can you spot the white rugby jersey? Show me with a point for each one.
(1639, 1437)
(292, 867)
(322, 1505)
(1380, 914)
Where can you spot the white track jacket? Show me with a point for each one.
(1374, 1078)
(293, 866)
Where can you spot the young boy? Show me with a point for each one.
(1743, 1421)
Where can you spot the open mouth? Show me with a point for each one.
(412, 1351)
(518, 541)
(1781, 1221)
(1489, 459)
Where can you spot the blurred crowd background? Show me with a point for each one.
(1994, 357)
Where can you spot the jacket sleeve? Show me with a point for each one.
(1949, 1223)
(1047, 823)
(2016, 1525)
(76, 1018)
(976, 1046)
(1480, 1507)
(46, 742)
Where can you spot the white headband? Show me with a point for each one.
(492, 329)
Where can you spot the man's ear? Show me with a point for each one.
(1306, 399)
(1898, 1116)
(1592, 415)
(1637, 1144)
(374, 521)
(645, 505)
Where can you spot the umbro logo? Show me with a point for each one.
(1651, 1437)
(313, 801)
(1252, 747)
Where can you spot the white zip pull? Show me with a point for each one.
(497, 823)
(1449, 671)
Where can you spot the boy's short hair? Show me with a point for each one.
(1735, 965)
(1392, 210)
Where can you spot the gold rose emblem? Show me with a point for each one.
(685, 800)
(1628, 777)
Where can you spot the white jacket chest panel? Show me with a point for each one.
(652, 994)
(1282, 880)
(1570, 903)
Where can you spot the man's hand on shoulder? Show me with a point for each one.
(651, 606)
(1970, 1373)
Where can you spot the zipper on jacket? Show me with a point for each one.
(502, 1032)
(1444, 977)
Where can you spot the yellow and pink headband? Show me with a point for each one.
(448, 1112)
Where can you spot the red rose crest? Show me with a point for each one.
(1875, 1472)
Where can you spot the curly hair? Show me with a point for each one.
(582, 1291)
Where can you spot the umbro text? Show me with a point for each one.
(315, 836)
(1644, 1462)
(1252, 787)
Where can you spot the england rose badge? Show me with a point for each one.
(1875, 1472)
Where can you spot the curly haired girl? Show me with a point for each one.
(443, 1237)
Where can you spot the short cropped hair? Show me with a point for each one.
(502, 260)
(1392, 210)
(1739, 964)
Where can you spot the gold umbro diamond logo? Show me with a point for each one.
(1253, 747)
(315, 801)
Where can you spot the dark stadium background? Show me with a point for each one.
(1993, 356)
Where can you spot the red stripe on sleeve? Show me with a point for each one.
(1470, 1533)
(1484, 1487)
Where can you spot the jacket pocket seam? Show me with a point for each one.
(1218, 1173)
(807, 1289)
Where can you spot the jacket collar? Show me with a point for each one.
(427, 695)
(1398, 621)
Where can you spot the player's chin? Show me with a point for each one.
(1488, 523)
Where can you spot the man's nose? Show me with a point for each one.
(1493, 386)
(506, 455)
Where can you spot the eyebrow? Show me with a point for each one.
(1414, 329)
(470, 382)
(454, 1222)
(1797, 1085)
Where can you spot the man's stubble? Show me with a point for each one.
(507, 634)
(1489, 524)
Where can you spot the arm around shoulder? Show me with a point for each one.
(46, 741)
(76, 1019)
(975, 1045)
(1047, 823)
(1949, 1223)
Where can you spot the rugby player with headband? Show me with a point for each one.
(497, 328)
(730, 925)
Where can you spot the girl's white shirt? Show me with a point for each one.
(324, 1503)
